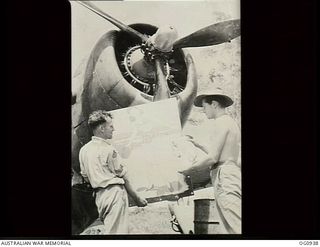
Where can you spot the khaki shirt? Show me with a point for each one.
(101, 164)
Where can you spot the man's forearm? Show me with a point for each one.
(140, 201)
(205, 163)
(129, 188)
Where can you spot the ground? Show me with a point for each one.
(153, 219)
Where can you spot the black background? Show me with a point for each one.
(280, 172)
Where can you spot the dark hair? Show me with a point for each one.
(98, 117)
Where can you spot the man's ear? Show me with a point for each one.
(101, 128)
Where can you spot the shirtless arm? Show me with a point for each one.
(219, 133)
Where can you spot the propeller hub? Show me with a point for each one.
(163, 39)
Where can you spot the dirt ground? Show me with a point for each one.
(153, 219)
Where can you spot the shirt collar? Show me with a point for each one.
(96, 138)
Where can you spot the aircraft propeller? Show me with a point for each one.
(155, 58)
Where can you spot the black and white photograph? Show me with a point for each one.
(160, 120)
(156, 117)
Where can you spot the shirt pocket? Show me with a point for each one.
(115, 164)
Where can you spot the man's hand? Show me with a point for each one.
(190, 138)
(187, 171)
(140, 201)
(193, 142)
(197, 144)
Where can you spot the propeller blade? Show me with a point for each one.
(162, 90)
(114, 21)
(211, 35)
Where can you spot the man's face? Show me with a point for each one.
(208, 109)
(108, 129)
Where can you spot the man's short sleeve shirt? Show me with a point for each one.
(101, 163)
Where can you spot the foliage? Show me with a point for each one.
(218, 66)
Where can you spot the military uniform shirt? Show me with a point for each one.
(101, 163)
